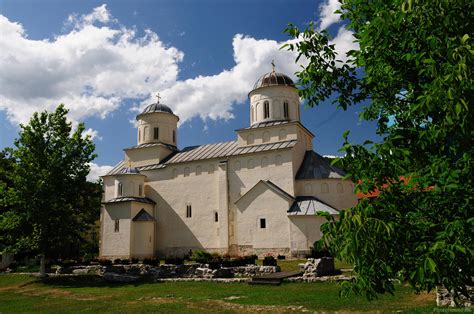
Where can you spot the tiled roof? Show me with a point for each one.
(314, 166)
(172, 147)
(309, 205)
(267, 123)
(129, 199)
(143, 215)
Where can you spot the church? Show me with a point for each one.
(257, 194)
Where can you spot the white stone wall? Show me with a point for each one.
(166, 122)
(335, 192)
(276, 96)
(304, 231)
(144, 156)
(116, 244)
(197, 184)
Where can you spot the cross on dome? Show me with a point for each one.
(273, 65)
(158, 97)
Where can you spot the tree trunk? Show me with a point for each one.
(42, 271)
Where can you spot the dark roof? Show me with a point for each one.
(310, 205)
(129, 170)
(143, 215)
(314, 166)
(273, 123)
(172, 147)
(156, 107)
(273, 79)
(130, 199)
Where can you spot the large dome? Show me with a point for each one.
(273, 79)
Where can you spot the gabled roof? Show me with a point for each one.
(130, 199)
(143, 215)
(310, 205)
(272, 186)
(210, 151)
(314, 166)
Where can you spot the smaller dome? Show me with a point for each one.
(129, 170)
(157, 107)
(273, 79)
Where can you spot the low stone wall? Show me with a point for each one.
(170, 271)
(317, 267)
(444, 298)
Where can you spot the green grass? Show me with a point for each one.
(21, 293)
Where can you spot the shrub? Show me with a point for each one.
(201, 256)
(105, 262)
(281, 257)
(269, 261)
(151, 261)
(318, 251)
(174, 260)
(134, 260)
(125, 261)
(117, 261)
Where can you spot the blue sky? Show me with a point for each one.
(105, 61)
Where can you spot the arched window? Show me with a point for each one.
(266, 137)
(156, 133)
(186, 172)
(278, 160)
(140, 190)
(146, 136)
(251, 115)
(339, 188)
(198, 170)
(324, 188)
(250, 164)
(210, 170)
(174, 136)
(237, 165)
(216, 216)
(266, 109)
(286, 113)
(256, 111)
(250, 139)
(139, 135)
(119, 189)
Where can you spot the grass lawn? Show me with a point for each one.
(22, 293)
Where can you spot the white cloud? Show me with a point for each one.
(91, 69)
(93, 134)
(97, 171)
(327, 15)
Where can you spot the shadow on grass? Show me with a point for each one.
(84, 281)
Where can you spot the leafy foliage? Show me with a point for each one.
(47, 204)
(413, 75)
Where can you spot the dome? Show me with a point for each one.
(273, 79)
(157, 107)
(129, 170)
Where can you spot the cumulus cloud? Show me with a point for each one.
(97, 171)
(327, 15)
(98, 63)
(92, 68)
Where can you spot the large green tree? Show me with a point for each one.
(412, 74)
(48, 204)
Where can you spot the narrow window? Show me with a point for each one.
(120, 189)
(186, 172)
(140, 190)
(117, 225)
(285, 109)
(263, 223)
(339, 188)
(139, 135)
(156, 133)
(188, 211)
(174, 136)
(251, 113)
(266, 110)
(216, 216)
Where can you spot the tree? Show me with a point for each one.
(412, 74)
(51, 205)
